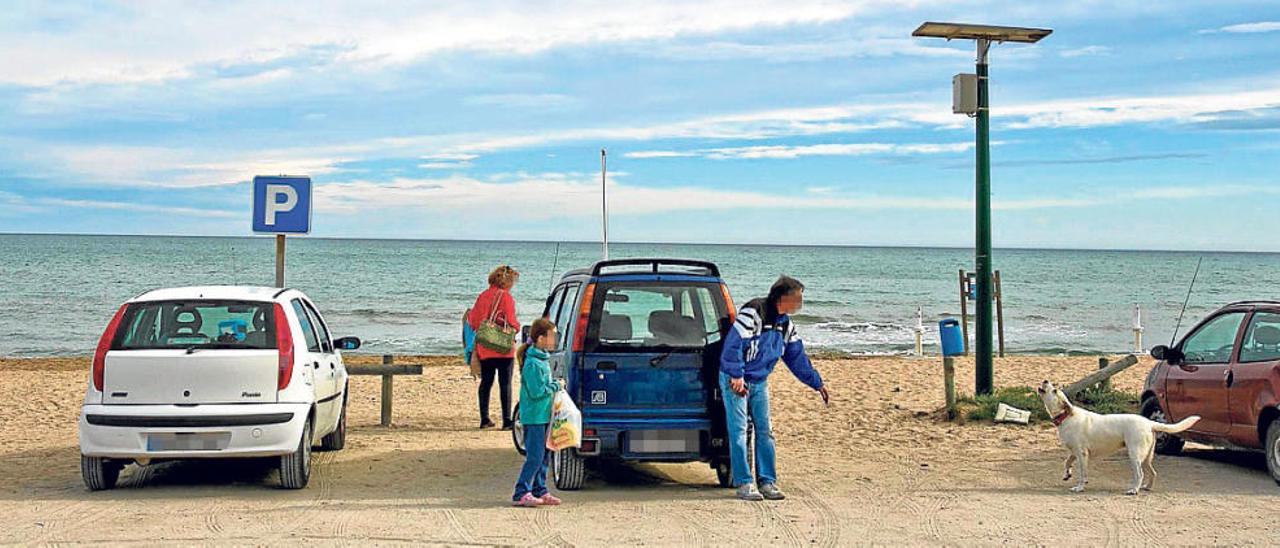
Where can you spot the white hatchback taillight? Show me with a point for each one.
(284, 348)
(104, 344)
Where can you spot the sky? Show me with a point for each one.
(1135, 125)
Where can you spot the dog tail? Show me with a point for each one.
(1176, 427)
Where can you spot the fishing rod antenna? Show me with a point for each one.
(1185, 301)
(551, 284)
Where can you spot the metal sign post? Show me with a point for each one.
(281, 205)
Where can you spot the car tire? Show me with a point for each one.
(337, 439)
(517, 431)
(724, 473)
(99, 474)
(569, 468)
(1273, 449)
(295, 468)
(1166, 444)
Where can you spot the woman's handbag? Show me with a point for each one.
(495, 337)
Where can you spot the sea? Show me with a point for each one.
(57, 292)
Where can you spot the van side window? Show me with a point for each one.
(553, 304)
(1214, 341)
(308, 331)
(1262, 338)
(326, 340)
(566, 314)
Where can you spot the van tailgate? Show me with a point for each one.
(644, 385)
(178, 377)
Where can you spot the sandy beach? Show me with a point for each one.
(876, 468)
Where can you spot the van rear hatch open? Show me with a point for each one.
(646, 357)
(193, 352)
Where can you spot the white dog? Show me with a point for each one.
(1088, 434)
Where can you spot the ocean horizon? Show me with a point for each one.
(407, 295)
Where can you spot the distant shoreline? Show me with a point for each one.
(707, 244)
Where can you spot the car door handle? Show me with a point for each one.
(332, 366)
(316, 365)
(1231, 377)
(607, 366)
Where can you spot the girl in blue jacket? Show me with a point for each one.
(537, 389)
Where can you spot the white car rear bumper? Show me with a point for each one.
(205, 431)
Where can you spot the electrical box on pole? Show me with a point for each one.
(964, 94)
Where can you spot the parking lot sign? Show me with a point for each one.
(282, 205)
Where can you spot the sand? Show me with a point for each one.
(875, 468)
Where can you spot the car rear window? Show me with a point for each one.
(657, 316)
(196, 324)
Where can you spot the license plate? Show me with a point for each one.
(188, 441)
(662, 441)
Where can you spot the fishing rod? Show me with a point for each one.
(1185, 301)
(551, 284)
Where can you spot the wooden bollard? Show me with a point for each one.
(949, 385)
(386, 392)
(1106, 383)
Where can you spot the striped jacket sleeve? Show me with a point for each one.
(745, 327)
(797, 361)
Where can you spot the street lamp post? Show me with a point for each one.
(984, 35)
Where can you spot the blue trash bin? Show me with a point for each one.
(952, 340)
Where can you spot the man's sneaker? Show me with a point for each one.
(527, 501)
(548, 500)
(770, 491)
(748, 492)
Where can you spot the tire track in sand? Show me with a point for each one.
(828, 524)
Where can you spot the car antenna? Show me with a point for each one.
(1185, 301)
(554, 261)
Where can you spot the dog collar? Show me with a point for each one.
(1062, 417)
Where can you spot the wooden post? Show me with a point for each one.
(949, 385)
(386, 392)
(964, 312)
(1106, 383)
(999, 312)
(1098, 376)
(279, 260)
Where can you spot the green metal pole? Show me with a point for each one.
(983, 370)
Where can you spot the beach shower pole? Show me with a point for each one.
(1137, 329)
(604, 208)
(962, 103)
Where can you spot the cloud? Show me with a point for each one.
(523, 101)
(1101, 160)
(1085, 51)
(137, 207)
(797, 151)
(1246, 28)
(786, 52)
(545, 196)
(118, 46)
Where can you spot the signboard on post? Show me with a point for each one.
(281, 205)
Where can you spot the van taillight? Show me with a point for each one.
(104, 344)
(728, 302)
(584, 310)
(284, 349)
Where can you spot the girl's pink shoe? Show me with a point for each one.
(528, 501)
(549, 500)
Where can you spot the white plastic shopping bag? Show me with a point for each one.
(566, 423)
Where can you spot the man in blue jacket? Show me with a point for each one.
(761, 334)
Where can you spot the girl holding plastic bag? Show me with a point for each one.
(537, 390)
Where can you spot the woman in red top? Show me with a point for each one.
(501, 280)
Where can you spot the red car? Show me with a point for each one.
(1227, 371)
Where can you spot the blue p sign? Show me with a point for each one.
(282, 205)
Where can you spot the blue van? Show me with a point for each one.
(639, 352)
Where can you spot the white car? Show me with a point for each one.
(214, 372)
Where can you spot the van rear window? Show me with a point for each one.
(196, 325)
(658, 316)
